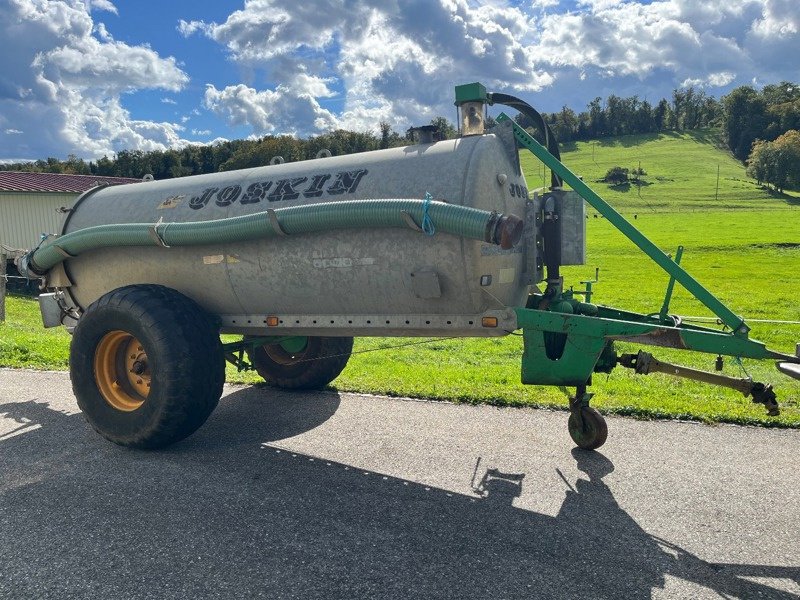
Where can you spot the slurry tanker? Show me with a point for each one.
(438, 238)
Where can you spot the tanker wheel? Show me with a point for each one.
(147, 366)
(592, 432)
(309, 366)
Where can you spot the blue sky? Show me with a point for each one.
(93, 77)
(203, 60)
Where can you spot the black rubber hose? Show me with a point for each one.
(526, 109)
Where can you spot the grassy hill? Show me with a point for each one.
(681, 173)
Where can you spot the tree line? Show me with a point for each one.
(689, 109)
(752, 121)
(220, 156)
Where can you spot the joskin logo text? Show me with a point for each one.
(291, 188)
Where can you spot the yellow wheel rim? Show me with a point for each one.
(122, 371)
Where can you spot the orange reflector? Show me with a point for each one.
(489, 321)
(272, 321)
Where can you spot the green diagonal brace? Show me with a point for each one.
(736, 323)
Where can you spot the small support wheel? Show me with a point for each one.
(588, 429)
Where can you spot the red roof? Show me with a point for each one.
(16, 181)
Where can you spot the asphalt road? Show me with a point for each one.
(331, 495)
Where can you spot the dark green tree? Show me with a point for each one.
(745, 112)
(446, 130)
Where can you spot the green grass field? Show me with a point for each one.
(681, 173)
(744, 247)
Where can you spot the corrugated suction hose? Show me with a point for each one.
(472, 223)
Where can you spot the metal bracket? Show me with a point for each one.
(670, 286)
(157, 237)
(61, 251)
(409, 220)
(273, 220)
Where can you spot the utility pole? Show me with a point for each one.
(638, 182)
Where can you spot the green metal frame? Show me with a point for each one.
(589, 336)
(735, 322)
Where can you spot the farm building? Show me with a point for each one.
(32, 204)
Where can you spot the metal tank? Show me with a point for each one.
(382, 281)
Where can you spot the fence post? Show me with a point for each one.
(2, 287)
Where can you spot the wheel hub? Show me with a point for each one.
(122, 371)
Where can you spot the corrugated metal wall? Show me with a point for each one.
(24, 216)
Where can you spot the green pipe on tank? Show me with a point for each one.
(463, 221)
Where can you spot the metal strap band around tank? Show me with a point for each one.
(728, 317)
(157, 237)
(62, 252)
(412, 224)
(276, 225)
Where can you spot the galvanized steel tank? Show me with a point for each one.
(351, 282)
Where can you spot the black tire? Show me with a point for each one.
(594, 431)
(314, 367)
(176, 377)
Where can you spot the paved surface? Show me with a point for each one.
(344, 496)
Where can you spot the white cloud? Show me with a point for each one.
(779, 18)
(111, 66)
(187, 28)
(398, 61)
(103, 33)
(106, 5)
(62, 85)
(168, 101)
(286, 109)
(637, 39)
(395, 61)
(599, 4)
(307, 67)
(12, 131)
(713, 80)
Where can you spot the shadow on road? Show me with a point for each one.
(228, 514)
